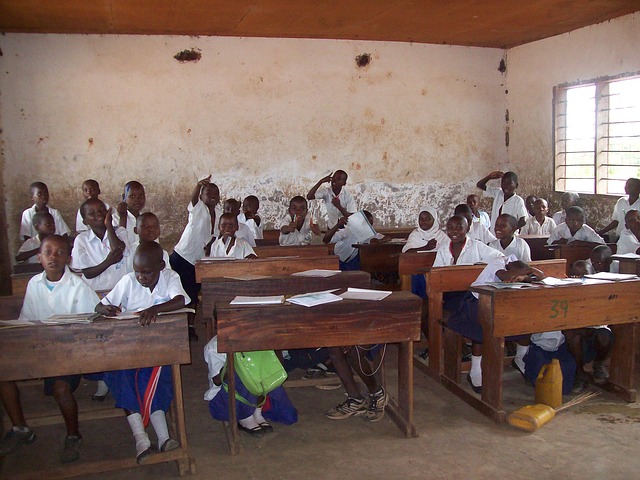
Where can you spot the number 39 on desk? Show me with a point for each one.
(559, 307)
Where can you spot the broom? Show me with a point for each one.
(531, 417)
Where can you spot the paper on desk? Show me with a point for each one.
(625, 255)
(17, 323)
(365, 294)
(131, 314)
(398, 240)
(261, 300)
(552, 281)
(216, 259)
(509, 285)
(316, 273)
(313, 299)
(247, 276)
(612, 276)
(64, 319)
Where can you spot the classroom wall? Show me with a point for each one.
(606, 49)
(264, 116)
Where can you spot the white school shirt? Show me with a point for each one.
(513, 206)
(30, 244)
(245, 233)
(251, 223)
(241, 249)
(621, 209)
(628, 242)
(69, 295)
(481, 233)
(346, 200)
(518, 247)
(28, 230)
(585, 234)
(418, 239)
(215, 361)
(482, 219)
(472, 252)
(297, 237)
(132, 236)
(559, 217)
(533, 227)
(89, 250)
(343, 240)
(81, 227)
(134, 247)
(133, 297)
(198, 232)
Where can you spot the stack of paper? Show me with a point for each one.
(552, 281)
(316, 273)
(614, 277)
(313, 299)
(262, 300)
(365, 294)
(131, 314)
(64, 319)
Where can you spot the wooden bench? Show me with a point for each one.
(413, 263)
(454, 279)
(294, 251)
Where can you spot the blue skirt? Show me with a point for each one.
(536, 358)
(128, 387)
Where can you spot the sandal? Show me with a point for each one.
(255, 431)
(266, 427)
(144, 456)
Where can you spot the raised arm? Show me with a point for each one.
(482, 184)
(195, 195)
(312, 193)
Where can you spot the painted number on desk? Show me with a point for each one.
(559, 308)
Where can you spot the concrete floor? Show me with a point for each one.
(596, 440)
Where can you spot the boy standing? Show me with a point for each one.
(133, 201)
(40, 198)
(337, 199)
(145, 394)
(55, 291)
(45, 226)
(505, 198)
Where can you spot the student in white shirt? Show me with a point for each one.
(145, 394)
(90, 189)
(505, 199)
(478, 216)
(528, 203)
(629, 241)
(477, 230)
(40, 197)
(337, 200)
(100, 252)
(231, 205)
(539, 223)
(623, 205)
(148, 230)
(461, 249)
(249, 216)
(507, 242)
(428, 235)
(297, 227)
(45, 226)
(574, 231)
(569, 199)
(55, 291)
(133, 201)
(227, 245)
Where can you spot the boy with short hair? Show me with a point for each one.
(40, 197)
(506, 241)
(629, 241)
(569, 199)
(478, 216)
(505, 198)
(231, 205)
(297, 227)
(100, 251)
(227, 244)
(148, 230)
(601, 259)
(528, 203)
(133, 201)
(55, 291)
(575, 232)
(476, 230)
(539, 223)
(90, 189)
(624, 205)
(145, 394)
(45, 226)
(249, 216)
(337, 200)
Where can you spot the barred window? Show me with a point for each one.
(597, 135)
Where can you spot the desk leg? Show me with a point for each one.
(492, 362)
(185, 465)
(622, 361)
(233, 435)
(435, 334)
(402, 413)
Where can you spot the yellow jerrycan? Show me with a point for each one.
(549, 385)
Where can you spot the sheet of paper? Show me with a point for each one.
(313, 299)
(552, 281)
(360, 227)
(612, 276)
(260, 300)
(62, 319)
(17, 323)
(247, 276)
(398, 240)
(365, 294)
(625, 255)
(507, 285)
(130, 314)
(317, 273)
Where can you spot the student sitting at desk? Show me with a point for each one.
(252, 419)
(629, 241)
(568, 200)
(506, 241)
(231, 205)
(476, 230)
(539, 223)
(55, 291)
(134, 199)
(90, 189)
(297, 227)
(145, 394)
(479, 216)
(574, 232)
(45, 226)
(462, 249)
(40, 196)
(528, 203)
(249, 216)
(624, 205)
(601, 260)
(227, 245)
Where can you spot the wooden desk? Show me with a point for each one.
(572, 254)
(396, 232)
(413, 263)
(396, 319)
(515, 312)
(105, 344)
(378, 258)
(455, 279)
(33, 268)
(294, 251)
(628, 265)
(19, 282)
(263, 266)
(222, 290)
(538, 246)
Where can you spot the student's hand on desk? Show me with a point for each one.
(108, 310)
(147, 316)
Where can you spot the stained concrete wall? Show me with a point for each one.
(264, 116)
(607, 49)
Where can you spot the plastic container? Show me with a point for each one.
(531, 417)
(549, 385)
